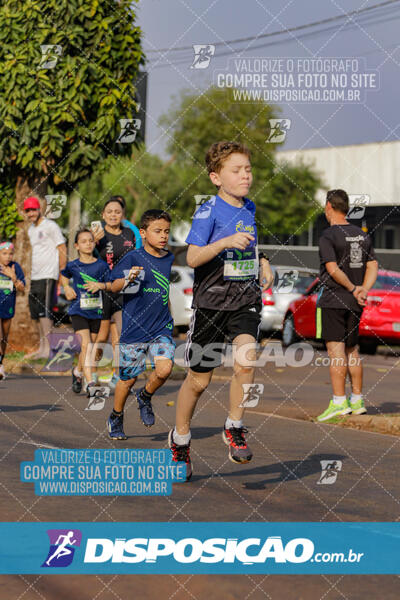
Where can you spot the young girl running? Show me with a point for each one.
(11, 280)
(89, 277)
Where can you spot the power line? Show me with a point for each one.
(305, 35)
(281, 31)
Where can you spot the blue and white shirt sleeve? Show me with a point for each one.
(202, 225)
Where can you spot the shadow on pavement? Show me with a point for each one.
(289, 470)
(19, 408)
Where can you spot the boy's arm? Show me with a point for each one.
(117, 285)
(199, 255)
(371, 273)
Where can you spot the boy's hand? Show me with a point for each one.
(69, 292)
(239, 240)
(133, 273)
(93, 286)
(9, 272)
(266, 275)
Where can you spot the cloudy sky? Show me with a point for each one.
(318, 29)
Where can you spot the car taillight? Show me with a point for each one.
(267, 298)
(374, 300)
(188, 291)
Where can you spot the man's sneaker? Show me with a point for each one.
(334, 410)
(115, 426)
(239, 452)
(181, 454)
(76, 383)
(146, 410)
(2, 372)
(357, 408)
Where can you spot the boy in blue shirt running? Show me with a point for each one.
(11, 280)
(226, 297)
(143, 276)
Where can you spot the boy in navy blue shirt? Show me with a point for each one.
(226, 296)
(11, 280)
(143, 276)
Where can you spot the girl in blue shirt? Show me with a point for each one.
(11, 280)
(89, 279)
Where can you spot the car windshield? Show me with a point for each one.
(303, 282)
(387, 282)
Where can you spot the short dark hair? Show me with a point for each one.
(80, 231)
(118, 199)
(339, 200)
(154, 214)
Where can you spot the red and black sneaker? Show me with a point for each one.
(180, 454)
(239, 452)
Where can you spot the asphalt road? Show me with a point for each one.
(280, 483)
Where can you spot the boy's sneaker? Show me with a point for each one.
(2, 372)
(357, 408)
(334, 410)
(146, 409)
(115, 426)
(239, 451)
(76, 383)
(181, 454)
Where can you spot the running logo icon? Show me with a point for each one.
(50, 56)
(251, 394)
(202, 55)
(330, 470)
(63, 543)
(358, 203)
(129, 130)
(285, 280)
(63, 347)
(278, 130)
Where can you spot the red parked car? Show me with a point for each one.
(380, 321)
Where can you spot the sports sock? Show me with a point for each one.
(230, 423)
(116, 413)
(339, 400)
(355, 398)
(181, 440)
(145, 394)
(77, 373)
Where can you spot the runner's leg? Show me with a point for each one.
(189, 393)
(85, 362)
(243, 372)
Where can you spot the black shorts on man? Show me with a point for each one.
(42, 298)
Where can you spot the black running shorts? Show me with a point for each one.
(338, 325)
(211, 327)
(79, 323)
(111, 303)
(42, 298)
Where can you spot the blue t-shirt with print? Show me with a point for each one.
(8, 292)
(86, 304)
(145, 312)
(213, 287)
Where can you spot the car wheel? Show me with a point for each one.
(368, 346)
(289, 335)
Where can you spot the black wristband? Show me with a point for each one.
(352, 291)
(262, 255)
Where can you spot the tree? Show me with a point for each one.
(67, 72)
(285, 195)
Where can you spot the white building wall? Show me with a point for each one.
(372, 169)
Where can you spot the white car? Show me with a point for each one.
(289, 284)
(181, 295)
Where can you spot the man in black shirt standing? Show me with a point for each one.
(348, 270)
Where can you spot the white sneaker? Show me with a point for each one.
(2, 372)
